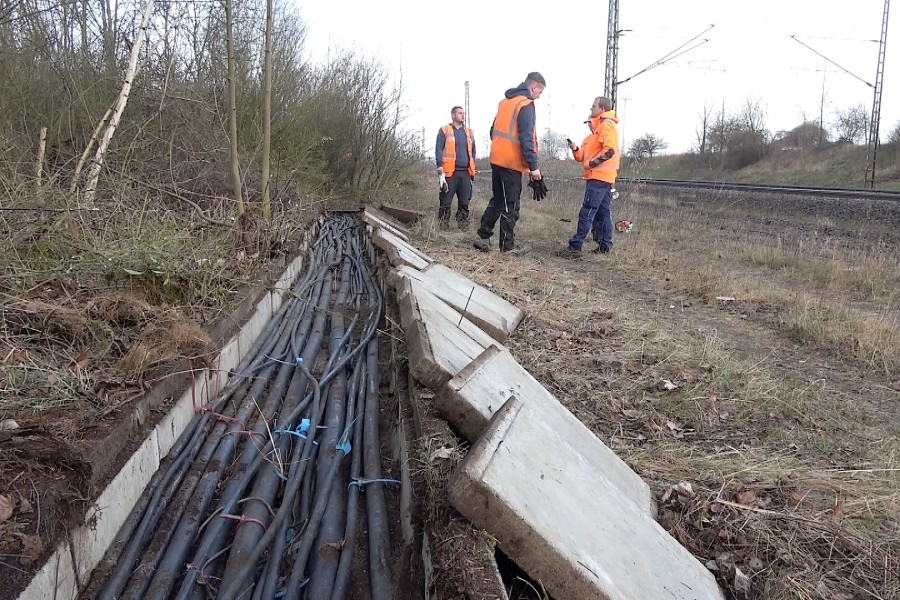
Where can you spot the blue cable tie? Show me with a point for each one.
(345, 448)
(297, 361)
(299, 434)
(303, 427)
(362, 483)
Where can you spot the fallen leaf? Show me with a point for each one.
(755, 564)
(31, 549)
(6, 508)
(444, 453)
(746, 497)
(8, 425)
(636, 368)
(81, 361)
(666, 386)
(25, 506)
(630, 413)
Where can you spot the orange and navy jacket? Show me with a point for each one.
(514, 135)
(604, 135)
(445, 149)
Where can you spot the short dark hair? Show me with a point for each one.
(456, 108)
(605, 103)
(535, 77)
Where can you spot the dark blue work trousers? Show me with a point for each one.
(506, 185)
(459, 184)
(595, 215)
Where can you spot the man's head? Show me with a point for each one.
(458, 115)
(535, 83)
(601, 105)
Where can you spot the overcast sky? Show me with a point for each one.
(749, 56)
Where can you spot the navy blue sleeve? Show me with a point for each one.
(439, 147)
(473, 146)
(526, 123)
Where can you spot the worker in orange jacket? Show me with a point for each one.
(599, 156)
(514, 151)
(454, 154)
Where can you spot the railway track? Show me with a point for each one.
(783, 189)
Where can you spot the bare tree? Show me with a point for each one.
(553, 145)
(647, 146)
(267, 115)
(703, 131)
(232, 111)
(894, 135)
(753, 118)
(130, 74)
(852, 124)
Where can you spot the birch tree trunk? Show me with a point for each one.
(130, 74)
(267, 115)
(232, 111)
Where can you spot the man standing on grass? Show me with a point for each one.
(599, 155)
(514, 151)
(454, 153)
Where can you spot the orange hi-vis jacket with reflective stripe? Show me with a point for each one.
(506, 150)
(604, 135)
(449, 159)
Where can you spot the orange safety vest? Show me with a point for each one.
(506, 150)
(449, 159)
(593, 145)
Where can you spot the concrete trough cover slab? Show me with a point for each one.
(399, 252)
(409, 217)
(493, 314)
(575, 533)
(380, 220)
(440, 341)
(470, 399)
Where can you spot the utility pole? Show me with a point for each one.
(468, 116)
(822, 108)
(612, 52)
(875, 121)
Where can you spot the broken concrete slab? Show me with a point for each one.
(440, 341)
(472, 396)
(380, 220)
(565, 527)
(496, 316)
(400, 252)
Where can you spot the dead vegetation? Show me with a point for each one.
(759, 398)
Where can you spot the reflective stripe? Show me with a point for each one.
(508, 134)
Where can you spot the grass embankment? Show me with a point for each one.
(834, 165)
(768, 423)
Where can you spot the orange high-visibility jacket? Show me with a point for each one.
(604, 135)
(449, 159)
(506, 150)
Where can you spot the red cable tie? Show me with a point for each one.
(241, 519)
(221, 417)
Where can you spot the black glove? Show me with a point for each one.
(539, 189)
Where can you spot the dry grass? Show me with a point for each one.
(779, 407)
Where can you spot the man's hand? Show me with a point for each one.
(536, 175)
(539, 189)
